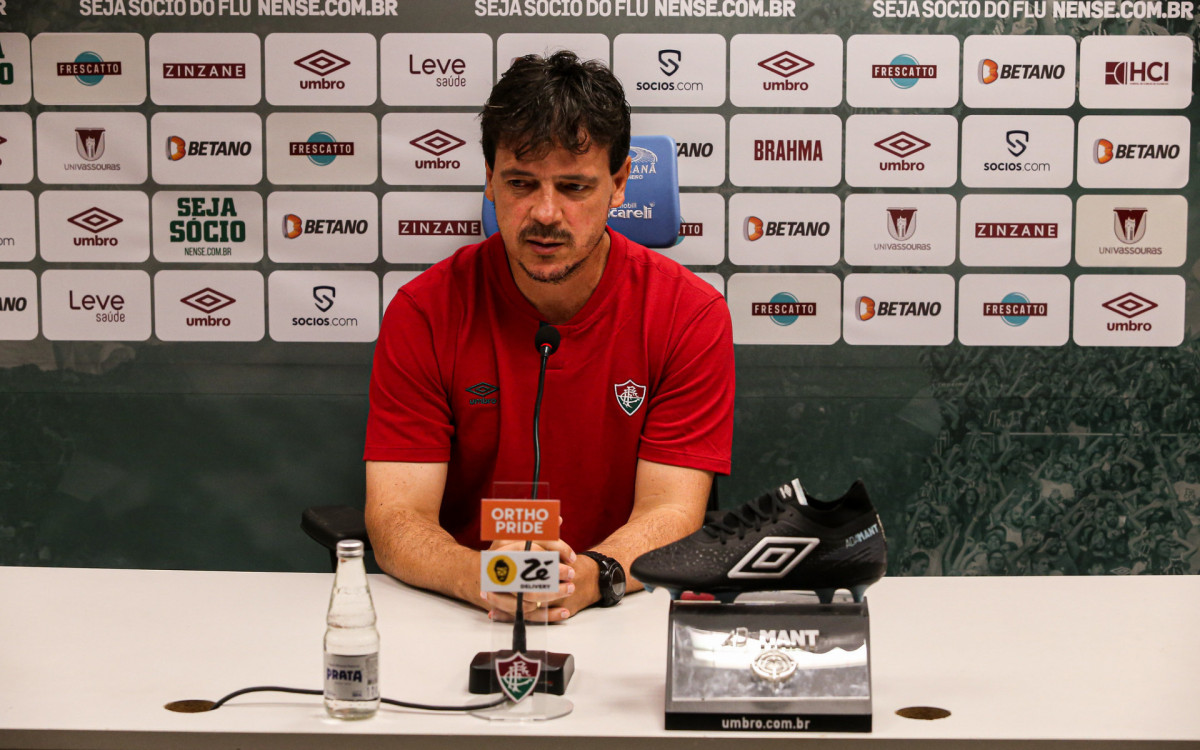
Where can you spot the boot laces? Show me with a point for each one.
(752, 515)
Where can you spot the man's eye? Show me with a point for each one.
(576, 187)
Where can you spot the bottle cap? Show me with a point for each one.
(350, 548)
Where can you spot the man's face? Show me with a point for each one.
(552, 210)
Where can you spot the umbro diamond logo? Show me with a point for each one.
(95, 220)
(774, 557)
(322, 62)
(208, 300)
(482, 389)
(902, 144)
(1130, 305)
(437, 142)
(785, 64)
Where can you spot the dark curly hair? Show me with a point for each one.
(540, 103)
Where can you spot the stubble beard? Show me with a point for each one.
(562, 275)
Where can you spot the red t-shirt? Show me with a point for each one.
(644, 370)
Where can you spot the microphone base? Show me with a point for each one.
(557, 670)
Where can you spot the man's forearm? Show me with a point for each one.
(420, 553)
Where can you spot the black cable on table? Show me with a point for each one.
(389, 701)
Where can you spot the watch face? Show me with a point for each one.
(618, 582)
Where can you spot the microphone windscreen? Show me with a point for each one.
(547, 335)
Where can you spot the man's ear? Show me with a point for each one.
(487, 187)
(620, 179)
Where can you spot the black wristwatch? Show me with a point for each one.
(612, 578)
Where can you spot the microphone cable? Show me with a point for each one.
(391, 702)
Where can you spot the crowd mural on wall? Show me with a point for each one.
(964, 187)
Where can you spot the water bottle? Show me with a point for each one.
(351, 640)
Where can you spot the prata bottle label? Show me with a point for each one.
(352, 678)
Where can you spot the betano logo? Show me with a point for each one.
(294, 226)
(991, 71)
(89, 68)
(1015, 309)
(1104, 151)
(867, 308)
(904, 71)
(321, 148)
(1137, 73)
(754, 228)
(177, 148)
(784, 309)
(785, 65)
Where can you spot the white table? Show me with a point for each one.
(89, 657)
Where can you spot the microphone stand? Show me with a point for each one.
(557, 668)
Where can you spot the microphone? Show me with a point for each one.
(557, 668)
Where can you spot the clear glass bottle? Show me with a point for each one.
(351, 640)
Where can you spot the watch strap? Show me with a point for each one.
(608, 597)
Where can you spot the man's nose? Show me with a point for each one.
(546, 208)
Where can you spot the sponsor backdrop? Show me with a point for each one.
(955, 238)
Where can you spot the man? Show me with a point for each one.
(637, 413)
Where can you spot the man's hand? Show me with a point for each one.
(537, 607)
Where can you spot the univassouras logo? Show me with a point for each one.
(208, 301)
(754, 228)
(1104, 151)
(784, 309)
(322, 63)
(321, 148)
(788, 149)
(901, 226)
(294, 226)
(1129, 306)
(868, 308)
(1129, 227)
(439, 227)
(991, 71)
(190, 71)
(1015, 309)
(1016, 230)
(178, 148)
(1139, 73)
(903, 145)
(785, 65)
(438, 143)
(904, 71)
(206, 225)
(89, 68)
(95, 220)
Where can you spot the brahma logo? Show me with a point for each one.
(89, 68)
(785, 65)
(784, 309)
(1129, 224)
(208, 301)
(901, 223)
(904, 71)
(322, 63)
(95, 220)
(1137, 73)
(321, 148)
(1129, 306)
(788, 149)
(437, 142)
(1015, 309)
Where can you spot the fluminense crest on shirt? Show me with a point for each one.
(630, 396)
